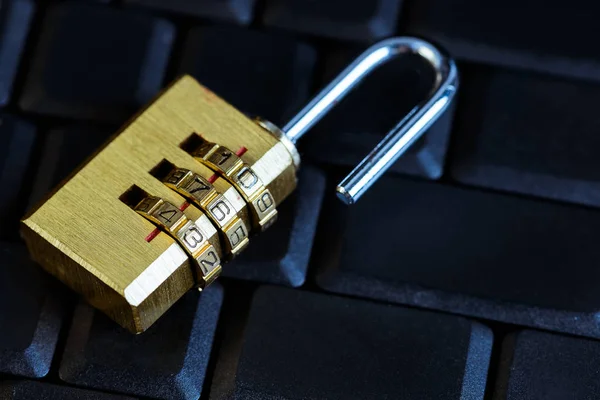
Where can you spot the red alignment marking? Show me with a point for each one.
(155, 232)
(152, 235)
(213, 178)
(241, 151)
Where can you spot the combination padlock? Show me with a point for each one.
(184, 186)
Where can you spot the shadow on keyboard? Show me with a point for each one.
(468, 272)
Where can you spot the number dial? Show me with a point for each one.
(162, 213)
(190, 235)
(209, 265)
(196, 244)
(216, 206)
(243, 178)
(218, 157)
(191, 185)
(264, 206)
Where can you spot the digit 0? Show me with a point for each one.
(247, 178)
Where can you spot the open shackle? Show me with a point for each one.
(405, 133)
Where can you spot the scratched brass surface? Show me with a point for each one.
(92, 241)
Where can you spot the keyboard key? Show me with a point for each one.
(238, 11)
(15, 16)
(30, 314)
(529, 134)
(168, 361)
(26, 390)
(539, 365)
(18, 138)
(469, 252)
(84, 68)
(360, 121)
(65, 148)
(258, 73)
(281, 254)
(512, 33)
(312, 346)
(362, 20)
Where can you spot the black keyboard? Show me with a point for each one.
(470, 271)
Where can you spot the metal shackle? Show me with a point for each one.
(405, 133)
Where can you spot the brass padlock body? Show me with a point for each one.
(86, 236)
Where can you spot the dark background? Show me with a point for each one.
(470, 271)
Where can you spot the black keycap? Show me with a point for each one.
(281, 254)
(529, 134)
(169, 360)
(64, 149)
(539, 365)
(27, 390)
(258, 73)
(362, 20)
(514, 33)
(355, 125)
(95, 62)
(15, 16)
(470, 252)
(238, 11)
(17, 138)
(313, 346)
(30, 314)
